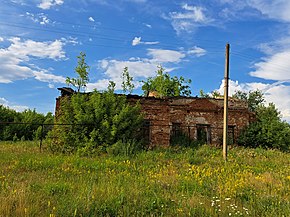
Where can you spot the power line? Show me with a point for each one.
(94, 36)
(90, 36)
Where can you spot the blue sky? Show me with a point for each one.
(40, 39)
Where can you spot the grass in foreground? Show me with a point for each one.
(254, 182)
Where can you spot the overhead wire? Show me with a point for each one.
(87, 35)
(104, 37)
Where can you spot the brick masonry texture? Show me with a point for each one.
(189, 114)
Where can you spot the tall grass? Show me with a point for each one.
(171, 182)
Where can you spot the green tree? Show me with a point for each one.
(99, 120)
(253, 98)
(82, 71)
(268, 131)
(165, 85)
(127, 81)
(202, 94)
(216, 94)
(29, 129)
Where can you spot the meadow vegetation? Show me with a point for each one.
(161, 182)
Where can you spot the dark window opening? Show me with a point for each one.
(203, 133)
(176, 129)
(146, 131)
(179, 136)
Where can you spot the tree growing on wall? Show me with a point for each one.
(82, 71)
(165, 85)
(99, 120)
(253, 98)
(127, 81)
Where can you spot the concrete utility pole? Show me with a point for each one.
(226, 98)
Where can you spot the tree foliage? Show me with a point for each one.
(82, 71)
(165, 85)
(268, 131)
(31, 127)
(213, 94)
(96, 121)
(253, 98)
(127, 81)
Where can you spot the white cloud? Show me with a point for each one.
(47, 4)
(137, 41)
(91, 19)
(197, 51)
(44, 76)
(278, 10)
(40, 18)
(276, 93)
(273, 9)
(148, 25)
(276, 67)
(139, 68)
(1, 39)
(14, 60)
(162, 56)
(70, 40)
(99, 85)
(187, 21)
(24, 49)
(51, 86)
(18, 108)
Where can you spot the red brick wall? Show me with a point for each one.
(190, 112)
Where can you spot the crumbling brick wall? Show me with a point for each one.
(190, 114)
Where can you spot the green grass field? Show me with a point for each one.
(253, 182)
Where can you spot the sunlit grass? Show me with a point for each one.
(172, 182)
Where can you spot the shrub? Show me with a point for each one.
(88, 121)
(268, 131)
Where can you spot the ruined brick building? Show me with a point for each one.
(198, 118)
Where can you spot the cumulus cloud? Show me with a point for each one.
(137, 41)
(197, 51)
(163, 56)
(91, 19)
(276, 93)
(47, 4)
(6, 103)
(14, 60)
(191, 18)
(139, 68)
(99, 85)
(1, 39)
(24, 49)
